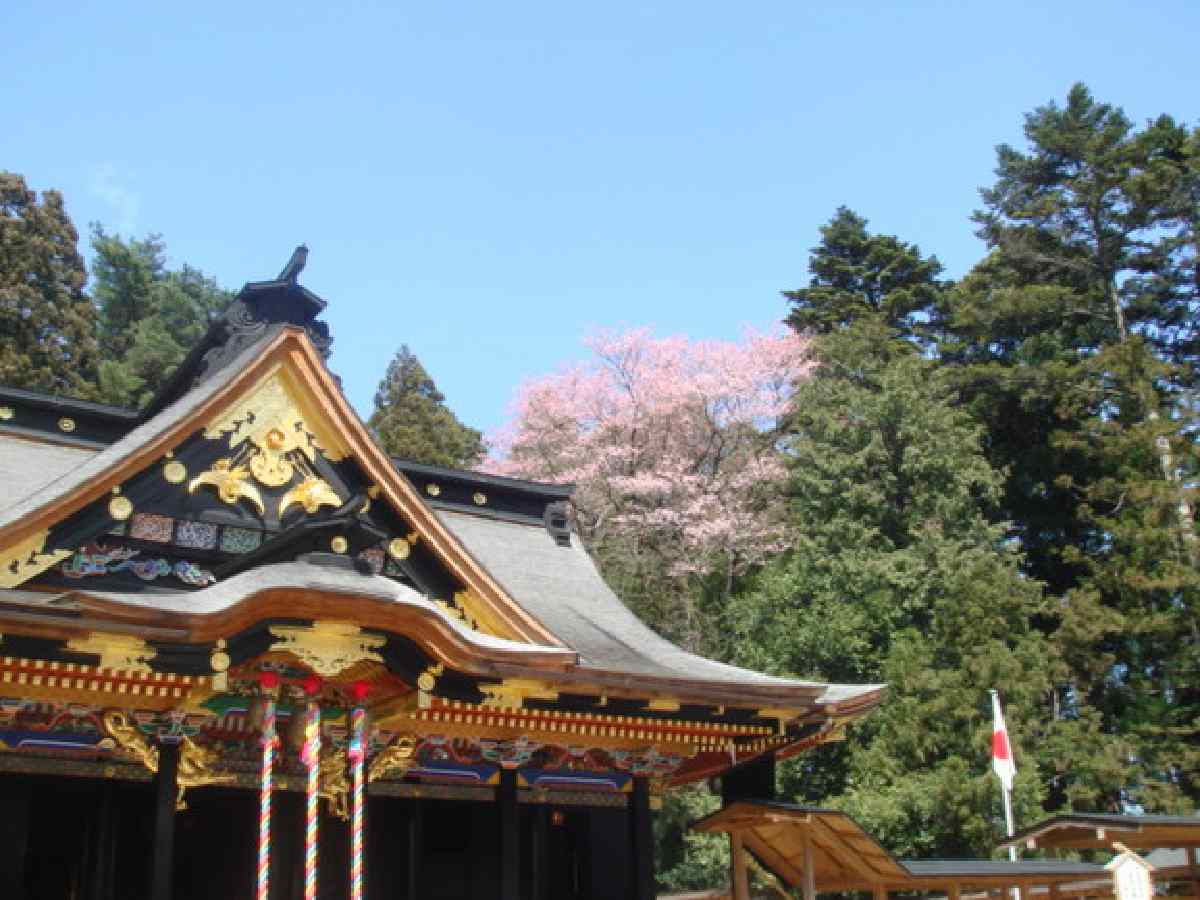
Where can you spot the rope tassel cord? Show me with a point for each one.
(264, 800)
(311, 757)
(358, 721)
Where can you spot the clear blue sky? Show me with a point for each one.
(489, 181)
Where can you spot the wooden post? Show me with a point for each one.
(1193, 858)
(641, 833)
(737, 862)
(162, 851)
(955, 892)
(416, 847)
(810, 877)
(510, 836)
(541, 852)
(880, 892)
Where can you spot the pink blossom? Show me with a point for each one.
(675, 439)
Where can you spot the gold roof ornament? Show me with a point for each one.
(512, 693)
(393, 760)
(328, 648)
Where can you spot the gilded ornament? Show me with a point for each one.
(120, 508)
(480, 498)
(230, 482)
(513, 692)
(130, 738)
(175, 472)
(197, 768)
(269, 465)
(312, 493)
(23, 560)
(6, 413)
(116, 651)
(398, 548)
(328, 648)
(394, 759)
(66, 424)
(219, 663)
(432, 489)
(334, 784)
(339, 544)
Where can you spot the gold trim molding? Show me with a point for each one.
(116, 651)
(22, 561)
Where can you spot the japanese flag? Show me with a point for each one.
(1002, 755)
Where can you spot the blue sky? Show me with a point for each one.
(488, 182)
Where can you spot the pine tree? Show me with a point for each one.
(857, 275)
(47, 323)
(150, 317)
(1070, 343)
(896, 574)
(412, 420)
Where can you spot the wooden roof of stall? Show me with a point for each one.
(1097, 831)
(847, 858)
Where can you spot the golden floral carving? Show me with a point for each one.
(231, 484)
(328, 648)
(394, 759)
(334, 783)
(312, 493)
(116, 651)
(130, 738)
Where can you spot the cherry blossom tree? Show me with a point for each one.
(673, 447)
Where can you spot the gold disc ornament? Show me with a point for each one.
(175, 472)
(398, 548)
(120, 508)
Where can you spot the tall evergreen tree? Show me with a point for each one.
(858, 275)
(150, 316)
(1070, 342)
(896, 574)
(47, 323)
(412, 420)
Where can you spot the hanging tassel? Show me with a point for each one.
(358, 752)
(269, 739)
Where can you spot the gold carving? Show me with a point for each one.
(230, 482)
(432, 489)
(480, 498)
(312, 493)
(22, 561)
(130, 738)
(272, 417)
(219, 661)
(512, 693)
(334, 784)
(116, 651)
(120, 508)
(476, 611)
(66, 424)
(196, 769)
(328, 648)
(395, 759)
(175, 472)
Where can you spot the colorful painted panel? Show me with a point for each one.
(201, 535)
(148, 527)
(240, 540)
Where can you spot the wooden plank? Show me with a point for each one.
(737, 860)
(810, 878)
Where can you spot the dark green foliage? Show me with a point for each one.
(857, 275)
(150, 316)
(897, 575)
(412, 420)
(1074, 343)
(47, 324)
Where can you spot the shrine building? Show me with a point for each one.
(244, 653)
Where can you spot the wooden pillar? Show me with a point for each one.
(510, 836)
(100, 847)
(641, 833)
(810, 877)
(14, 836)
(880, 892)
(162, 851)
(541, 852)
(1193, 859)
(416, 847)
(955, 892)
(737, 862)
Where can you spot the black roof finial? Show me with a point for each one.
(295, 265)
